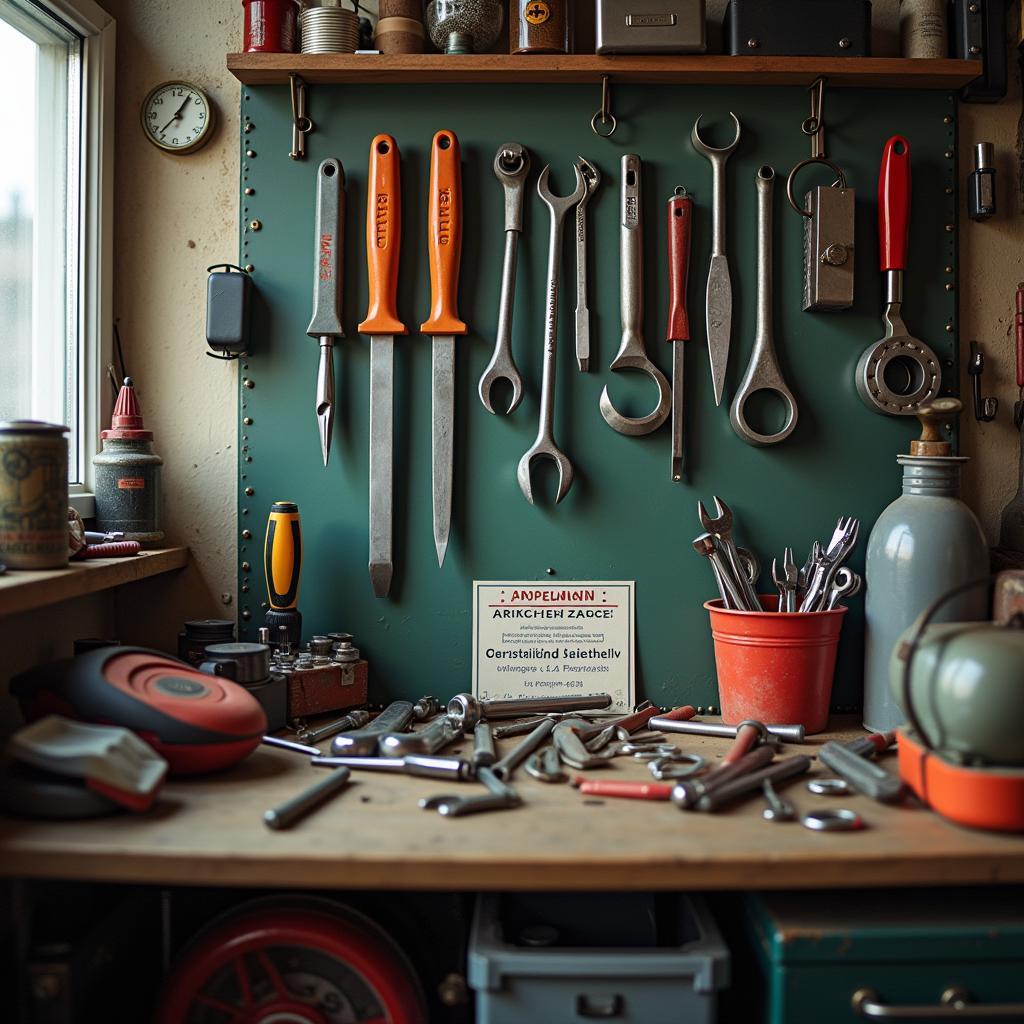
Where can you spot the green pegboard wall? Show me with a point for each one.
(624, 518)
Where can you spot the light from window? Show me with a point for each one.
(40, 73)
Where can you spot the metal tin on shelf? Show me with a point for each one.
(33, 495)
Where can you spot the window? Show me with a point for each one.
(55, 176)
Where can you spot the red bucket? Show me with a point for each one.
(775, 667)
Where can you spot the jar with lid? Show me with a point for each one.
(541, 26)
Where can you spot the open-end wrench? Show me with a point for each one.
(728, 586)
(499, 797)
(511, 166)
(545, 445)
(632, 354)
(721, 526)
(592, 176)
(718, 302)
(363, 742)
(428, 740)
(763, 373)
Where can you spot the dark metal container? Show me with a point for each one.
(198, 633)
(128, 474)
(798, 28)
(33, 495)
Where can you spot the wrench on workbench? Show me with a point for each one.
(545, 445)
(511, 166)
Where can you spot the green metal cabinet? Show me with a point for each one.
(817, 949)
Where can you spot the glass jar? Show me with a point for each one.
(540, 26)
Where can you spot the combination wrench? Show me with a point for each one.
(511, 166)
(592, 176)
(718, 301)
(632, 354)
(763, 373)
(545, 445)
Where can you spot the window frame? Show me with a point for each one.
(94, 262)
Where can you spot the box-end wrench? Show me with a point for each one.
(363, 742)
(592, 176)
(718, 300)
(545, 445)
(632, 354)
(511, 166)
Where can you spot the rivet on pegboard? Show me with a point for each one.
(247, 420)
(949, 270)
(248, 127)
(949, 286)
(246, 614)
(248, 382)
(247, 535)
(245, 511)
(250, 153)
(948, 190)
(949, 328)
(948, 154)
(949, 228)
(249, 492)
(249, 191)
(246, 567)
(249, 268)
(948, 119)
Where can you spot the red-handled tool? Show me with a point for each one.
(899, 373)
(623, 788)
(680, 221)
(1018, 325)
(383, 244)
(444, 230)
(683, 714)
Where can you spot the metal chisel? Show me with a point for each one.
(680, 221)
(328, 262)
(383, 241)
(444, 230)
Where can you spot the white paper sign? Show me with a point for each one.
(553, 640)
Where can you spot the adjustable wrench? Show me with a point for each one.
(511, 166)
(632, 354)
(363, 742)
(558, 207)
(592, 176)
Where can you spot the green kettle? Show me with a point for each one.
(962, 685)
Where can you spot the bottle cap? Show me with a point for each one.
(984, 156)
(931, 416)
(126, 423)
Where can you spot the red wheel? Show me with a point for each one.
(286, 964)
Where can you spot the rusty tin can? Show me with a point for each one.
(33, 495)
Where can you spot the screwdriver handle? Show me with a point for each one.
(894, 204)
(444, 235)
(683, 714)
(328, 258)
(1018, 323)
(282, 555)
(624, 788)
(383, 237)
(680, 222)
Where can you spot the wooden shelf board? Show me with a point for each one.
(209, 831)
(887, 72)
(23, 590)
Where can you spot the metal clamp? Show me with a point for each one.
(604, 116)
(985, 409)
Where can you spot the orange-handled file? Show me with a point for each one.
(444, 236)
(383, 237)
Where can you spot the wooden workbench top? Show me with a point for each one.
(210, 832)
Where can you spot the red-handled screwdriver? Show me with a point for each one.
(680, 219)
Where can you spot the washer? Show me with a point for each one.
(829, 787)
(839, 819)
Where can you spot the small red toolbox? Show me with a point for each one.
(312, 691)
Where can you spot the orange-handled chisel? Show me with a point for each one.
(680, 221)
(383, 243)
(444, 242)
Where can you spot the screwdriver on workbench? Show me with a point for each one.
(325, 324)
(383, 242)
(444, 242)
(680, 221)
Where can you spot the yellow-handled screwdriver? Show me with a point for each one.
(282, 567)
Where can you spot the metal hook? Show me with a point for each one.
(814, 126)
(984, 408)
(302, 125)
(604, 115)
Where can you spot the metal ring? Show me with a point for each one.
(801, 165)
(599, 117)
(840, 819)
(676, 766)
(829, 787)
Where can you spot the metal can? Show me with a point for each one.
(33, 495)
(270, 26)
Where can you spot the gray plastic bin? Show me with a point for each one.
(559, 958)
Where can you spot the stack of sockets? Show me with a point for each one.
(329, 28)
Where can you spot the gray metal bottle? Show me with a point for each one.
(926, 542)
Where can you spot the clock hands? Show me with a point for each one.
(176, 116)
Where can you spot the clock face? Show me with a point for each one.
(177, 116)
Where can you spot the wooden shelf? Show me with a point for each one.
(22, 590)
(209, 831)
(867, 72)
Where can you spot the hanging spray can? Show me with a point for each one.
(128, 474)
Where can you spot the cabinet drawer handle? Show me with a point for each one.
(600, 1007)
(954, 1004)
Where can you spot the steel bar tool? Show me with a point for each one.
(680, 225)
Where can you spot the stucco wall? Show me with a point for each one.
(176, 215)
